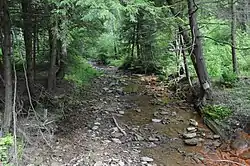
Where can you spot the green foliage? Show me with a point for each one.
(80, 71)
(229, 78)
(216, 112)
(5, 143)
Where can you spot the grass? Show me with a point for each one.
(80, 71)
(216, 112)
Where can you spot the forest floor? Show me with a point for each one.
(122, 120)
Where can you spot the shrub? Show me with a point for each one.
(216, 112)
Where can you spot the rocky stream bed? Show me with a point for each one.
(132, 120)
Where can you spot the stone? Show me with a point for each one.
(105, 89)
(138, 137)
(98, 163)
(55, 163)
(138, 110)
(191, 142)
(97, 123)
(193, 122)
(121, 112)
(189, 135)
(116, 140)
(116, 134)
(153, 139)
(216, 136)
(121, 163)
(191, 129)
(174, 113)
(95, 127)
(239, 144)
(156, 120)
(147, 159)
(164, 113)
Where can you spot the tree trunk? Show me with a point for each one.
(6, 49)
(27, 32)
(198, 52)
(53, 68)
(63, 56)
(185, 61)
(35, 44)
(233, 37)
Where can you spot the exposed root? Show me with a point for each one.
(117, 125)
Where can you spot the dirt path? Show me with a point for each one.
(127, 121)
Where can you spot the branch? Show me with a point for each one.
(227, 43)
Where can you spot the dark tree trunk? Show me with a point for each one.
(27, 32)
(35, 45)
(6, 49)
(198, 51)
(233, 37)
(53, 68)
(138, 40)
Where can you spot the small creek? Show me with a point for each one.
(150, 104)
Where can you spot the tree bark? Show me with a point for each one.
(53, 68)
(6, 49)
(27, 32)
(63, 56)
(198, 52)
(35, 44)
(233, 37)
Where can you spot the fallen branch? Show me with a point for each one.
(228, 161)
(117, 125)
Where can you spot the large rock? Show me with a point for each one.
(191, 142)
(147, 159)
(189, 135)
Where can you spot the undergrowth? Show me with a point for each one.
(216, 112)
(80, 71)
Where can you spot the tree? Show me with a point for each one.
(233, 36)
(7, 53)
(198, 50)
(27, 32)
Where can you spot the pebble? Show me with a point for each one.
(146, 159)
(216, 136)
(153, 139)
(98, 163)
(121, 112)
(121, 163)
(174, 113)
(193, 122)
(95, 127)
(189, 135)
(116, 140)
(164, 113)
(191, 142)
(138, 110)
(191, 129)
(116, 134)
(97, 123)
(156, 120)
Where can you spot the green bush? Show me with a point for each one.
(80, 71)
(5, 144)
(229, 78)
(216, 112)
